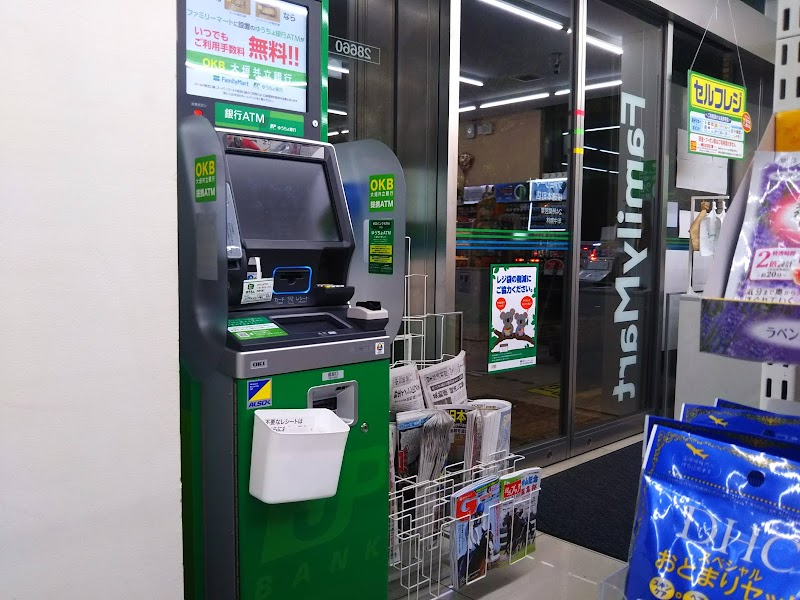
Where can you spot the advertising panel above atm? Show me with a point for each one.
(248, 64)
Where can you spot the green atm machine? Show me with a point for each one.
(291, 286)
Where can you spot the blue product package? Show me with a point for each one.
(714, 521)
(765, 424)
(752, 441)
(722, 403)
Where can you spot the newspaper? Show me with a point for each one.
(406, 390)
(394, 541)
(409, 430)
(499, 439)
(445, 383)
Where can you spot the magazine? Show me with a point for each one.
(516, 518)
(471, 534)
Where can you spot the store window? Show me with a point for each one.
(617, 290)
(720, 176)
(361, 71)
(514, 107)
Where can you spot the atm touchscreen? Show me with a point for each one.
(283, 199)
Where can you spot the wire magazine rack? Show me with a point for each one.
(425, 338)
(421, 528)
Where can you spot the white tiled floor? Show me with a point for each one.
(559, 570)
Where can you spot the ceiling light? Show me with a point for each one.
(333, 111)
(561, 92)
(470, 81)
(336, 69)
(603, 45)
(515, 100)
(467, 108)
(602, 128)
(593, 169)
(603, 84)
(332, 133)
(607, 151)
(344, 131)
(525, 14)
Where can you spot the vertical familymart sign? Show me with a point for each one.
(629, 233)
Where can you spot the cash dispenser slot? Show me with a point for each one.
(310, 323)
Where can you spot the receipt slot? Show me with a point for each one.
(286, 324)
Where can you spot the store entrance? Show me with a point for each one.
(515, 231)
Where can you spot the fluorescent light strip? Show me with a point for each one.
(515, 100)
(603, 45)
(333, 111)
(601, 150)
(602, 128)
(467, 108)
(593, 169)
(561, 93)
(603, 84)
(345, 131)
(336, 69)
(525, 14)
(470, 81)
(596, 129)
(332, 133)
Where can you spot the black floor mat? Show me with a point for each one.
(593, 504)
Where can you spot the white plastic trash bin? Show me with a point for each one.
(297, 454)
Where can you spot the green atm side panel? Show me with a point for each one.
(331, 548)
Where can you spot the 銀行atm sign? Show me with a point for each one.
(718, 119)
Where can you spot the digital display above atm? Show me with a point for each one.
(282, 199)
(250, 51)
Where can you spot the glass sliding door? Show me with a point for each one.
(511, 214)
(618, 283)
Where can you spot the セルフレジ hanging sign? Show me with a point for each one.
(718, 119)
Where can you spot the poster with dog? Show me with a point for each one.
(512, 317)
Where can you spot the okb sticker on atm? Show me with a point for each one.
(259, 393)
(715, 521)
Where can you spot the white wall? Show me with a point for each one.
(89, 432)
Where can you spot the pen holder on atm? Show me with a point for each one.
(296, 454)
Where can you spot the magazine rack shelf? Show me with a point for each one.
(422, 526)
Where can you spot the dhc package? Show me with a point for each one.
(722, 403)
(759, 423)
(714, 521)
(752, 441)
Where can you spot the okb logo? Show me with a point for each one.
(259, 393)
